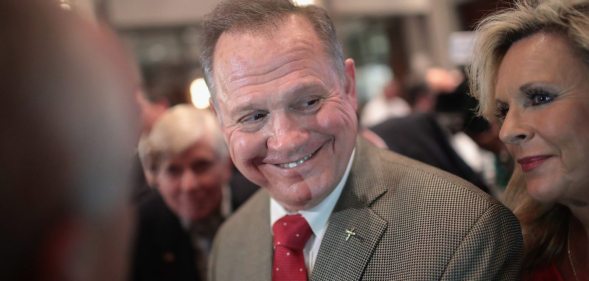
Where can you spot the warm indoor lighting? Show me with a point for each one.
(304, 2)
(65, 4)
(199, 93)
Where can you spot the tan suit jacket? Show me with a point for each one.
(412, 222)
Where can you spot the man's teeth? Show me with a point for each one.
(295, 163)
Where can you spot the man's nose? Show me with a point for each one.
(514, 129)
(189, 181)
(286, 133)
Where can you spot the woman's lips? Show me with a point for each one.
(530, 163)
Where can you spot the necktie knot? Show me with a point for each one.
(291, 231)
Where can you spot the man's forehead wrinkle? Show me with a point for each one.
(239, 79)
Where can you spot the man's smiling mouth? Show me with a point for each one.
(297, 163)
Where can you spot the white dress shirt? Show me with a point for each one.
(317, 217)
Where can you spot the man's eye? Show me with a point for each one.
(312, 102)
(254, 117)
(309, 104)
(173, 170)
(201, 166)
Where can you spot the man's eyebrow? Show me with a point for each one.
(306, 87)
(242, 109)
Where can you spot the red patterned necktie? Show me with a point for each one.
(291, 233)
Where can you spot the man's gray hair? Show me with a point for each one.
(262, 15)
(178, 129)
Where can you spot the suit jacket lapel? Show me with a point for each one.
(341, 257)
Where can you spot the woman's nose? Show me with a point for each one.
(514, 129)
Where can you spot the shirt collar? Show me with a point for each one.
(317, 216)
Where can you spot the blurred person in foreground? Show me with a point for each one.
(66, 146)
(332, 206)
(186, 154)
(531, 76)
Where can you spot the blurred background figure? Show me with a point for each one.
(387, 105)
(164, 87)
(444, 132)
(531, 77)
(187, 156)
(419, 95)
(67, 130)
(161, 89)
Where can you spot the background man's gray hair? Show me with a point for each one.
(263, 16)
(181, 127)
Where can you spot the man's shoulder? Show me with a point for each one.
(432, 223)
(247, 217)
(419, 194)
(244, 243)
(408, 179)
(426, 175)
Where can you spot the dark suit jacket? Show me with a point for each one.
(163, 249)
(420, 137)
(412, 222)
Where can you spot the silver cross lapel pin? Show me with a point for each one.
(350, 233)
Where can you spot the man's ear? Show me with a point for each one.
(350, 83)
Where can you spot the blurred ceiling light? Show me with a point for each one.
(305, 2)
(199, 93)
(65, 4)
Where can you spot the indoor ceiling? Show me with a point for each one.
(138, 13)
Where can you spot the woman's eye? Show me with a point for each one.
(539, 96)
(501, 112)
(538, 99)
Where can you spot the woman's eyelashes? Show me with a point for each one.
(501, 111)
(532, 96)
(536, 96)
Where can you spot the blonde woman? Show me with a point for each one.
(532, 75)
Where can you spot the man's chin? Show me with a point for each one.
(296, 206)
(297, 203)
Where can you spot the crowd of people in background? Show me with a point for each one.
(109, 173)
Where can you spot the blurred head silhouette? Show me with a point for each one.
(67, 140)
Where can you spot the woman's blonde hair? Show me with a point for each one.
(496, 33)
(545, 226)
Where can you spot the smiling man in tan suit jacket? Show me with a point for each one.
(286, 100)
